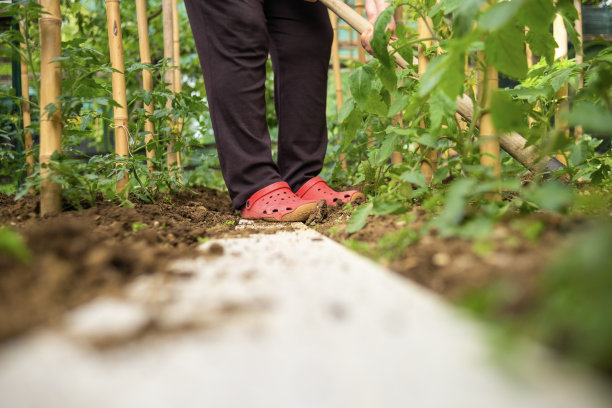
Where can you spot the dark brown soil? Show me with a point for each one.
(82, 254)
(455, 266)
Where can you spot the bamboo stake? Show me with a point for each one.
(489, 145)
(50, 89)
(147, 79)
(396, 157)
(488, 82)
(120, 113)
(560, 35)
(25, 105)
(513, 143)
(337, 76)
(529, 55)
(429, 164)
(579, 56)
(361, 53)
(176, 57)
(168, 25)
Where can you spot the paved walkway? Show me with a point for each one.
(287, 320)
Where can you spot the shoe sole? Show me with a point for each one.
(300, 214)
(357, 197)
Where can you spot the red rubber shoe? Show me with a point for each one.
(277, 202)
(317, 189)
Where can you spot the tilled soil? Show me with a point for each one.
(456, 266)
(79, 255)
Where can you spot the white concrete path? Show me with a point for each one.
(284, 320)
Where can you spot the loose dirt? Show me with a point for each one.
(455, 266)
(79, 255)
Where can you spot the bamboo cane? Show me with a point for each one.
(430, 160)
(488, 82)
(50, 89)
(25, 105)
(489, 145)
(560, 35)
(176, 59)
(147, 79)
(529, 55)
(361, 53)
(513, 143)
(168, 28)
(337, 76)
(579, 56)
(120, 113)
(396, 157)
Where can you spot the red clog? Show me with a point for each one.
(317, 189)
(277, 202)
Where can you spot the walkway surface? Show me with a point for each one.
(290, 319)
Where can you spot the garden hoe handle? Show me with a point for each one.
(513, 143)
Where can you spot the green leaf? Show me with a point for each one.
(537, 14)
(379, 42)
(454, 205)
(360, 84)
(359, 218)
(388, 77)
(375, 105)
(499, 15)
(505, 49)
(542, 44)
(415, 177)
(386, 149)
(551, 196)
(398, 105)
(508, 115)
(350, 125)
(593, 118)
(382, 207)
(440, 106)
(445, 72)
(12, 243)
(346, 109)
(429, 140)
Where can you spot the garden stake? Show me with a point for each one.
(488, 82)
(147, 79)
(361, 52)
(337, 76)
(25, 106)
(430, 160)
(579, 56)
(172, 160)
(176, 57)
(50, 89)
(120, 113)
(560, 35)
(513, 143)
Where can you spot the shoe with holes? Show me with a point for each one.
(317, 189)
(277, 202)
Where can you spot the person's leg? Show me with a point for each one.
(300, 45)
(232, 42)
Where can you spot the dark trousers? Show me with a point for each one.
(233, 38)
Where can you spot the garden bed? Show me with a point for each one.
(78, 255)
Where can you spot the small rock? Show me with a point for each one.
(441, 259)
(216, 249)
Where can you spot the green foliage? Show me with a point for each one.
(13, 245)
(85, 168)
(567, 308)
(457, 198)
(138, 226)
